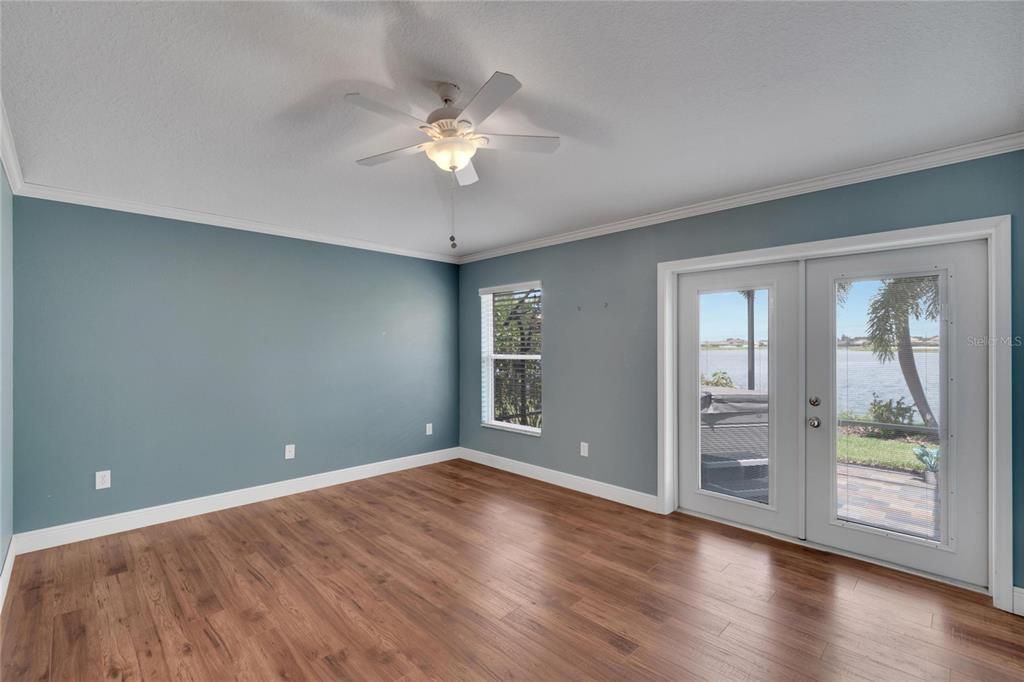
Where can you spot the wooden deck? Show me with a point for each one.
(458, 571)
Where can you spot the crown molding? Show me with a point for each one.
(8, 154)
(35, 190)
(910, 164)
(22, 188)
(966, 152)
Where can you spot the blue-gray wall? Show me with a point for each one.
(599, 362)
(6, 374)
(184, 357)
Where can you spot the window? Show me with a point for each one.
(510, 326)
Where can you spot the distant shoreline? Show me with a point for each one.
(765, 347)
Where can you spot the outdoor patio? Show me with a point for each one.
(894, 500)
(734, 461)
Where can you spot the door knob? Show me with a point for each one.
(815, 401)
(814, 422)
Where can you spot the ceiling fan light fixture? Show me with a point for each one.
(451, 153)
(453, 129)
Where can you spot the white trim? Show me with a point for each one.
(996, 231)
(514, 428)
(1018, 601)
(54, 536)
(945, 233)
(5, 573)
(668, 379)
(517, 286)
(20, 187)
(835, 550)
(8, 154)
(38, 191)
(801, 379)
(1000, 399)
(486, 361)
(943, 157)
(589, 486)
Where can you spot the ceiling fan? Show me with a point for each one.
(454, 131)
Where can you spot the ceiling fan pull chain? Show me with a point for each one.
(451, 237)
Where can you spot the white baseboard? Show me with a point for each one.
(54, 536)
(5, 573)
(839, 552)
(632, 498)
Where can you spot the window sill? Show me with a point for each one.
(514, 428)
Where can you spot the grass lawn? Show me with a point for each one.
(888, 454)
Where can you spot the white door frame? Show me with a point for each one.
(996, 232)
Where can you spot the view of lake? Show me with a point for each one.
(858, 374)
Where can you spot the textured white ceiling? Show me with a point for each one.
(237, 109)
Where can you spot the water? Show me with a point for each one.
(858, 374)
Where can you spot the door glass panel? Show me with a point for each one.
(734, 445)
(889, 397)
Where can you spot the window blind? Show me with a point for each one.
(512, 324)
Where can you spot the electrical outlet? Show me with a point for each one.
(102, 479)
(584, 449)
(430, 429)
(289, 451)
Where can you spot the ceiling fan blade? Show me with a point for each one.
(466, 176)
(544, 144)
(382, 109)
(488, 98)
(392, 155)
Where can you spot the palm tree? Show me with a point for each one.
(897, 302)
(748, 294)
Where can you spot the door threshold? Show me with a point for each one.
(833, 550)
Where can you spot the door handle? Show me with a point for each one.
(814, 422)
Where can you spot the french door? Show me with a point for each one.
(897, 436)
(844, 401)
(738, 378)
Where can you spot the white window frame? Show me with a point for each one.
(487, 357)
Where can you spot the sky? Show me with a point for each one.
(724, 314)
(851, 318)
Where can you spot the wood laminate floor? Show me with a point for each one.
(458, 571)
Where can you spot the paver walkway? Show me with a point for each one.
(893, 500)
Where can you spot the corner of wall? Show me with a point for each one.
(6, 366)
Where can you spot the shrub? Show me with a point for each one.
(718, 378)
(888, 412)
(929, 457)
